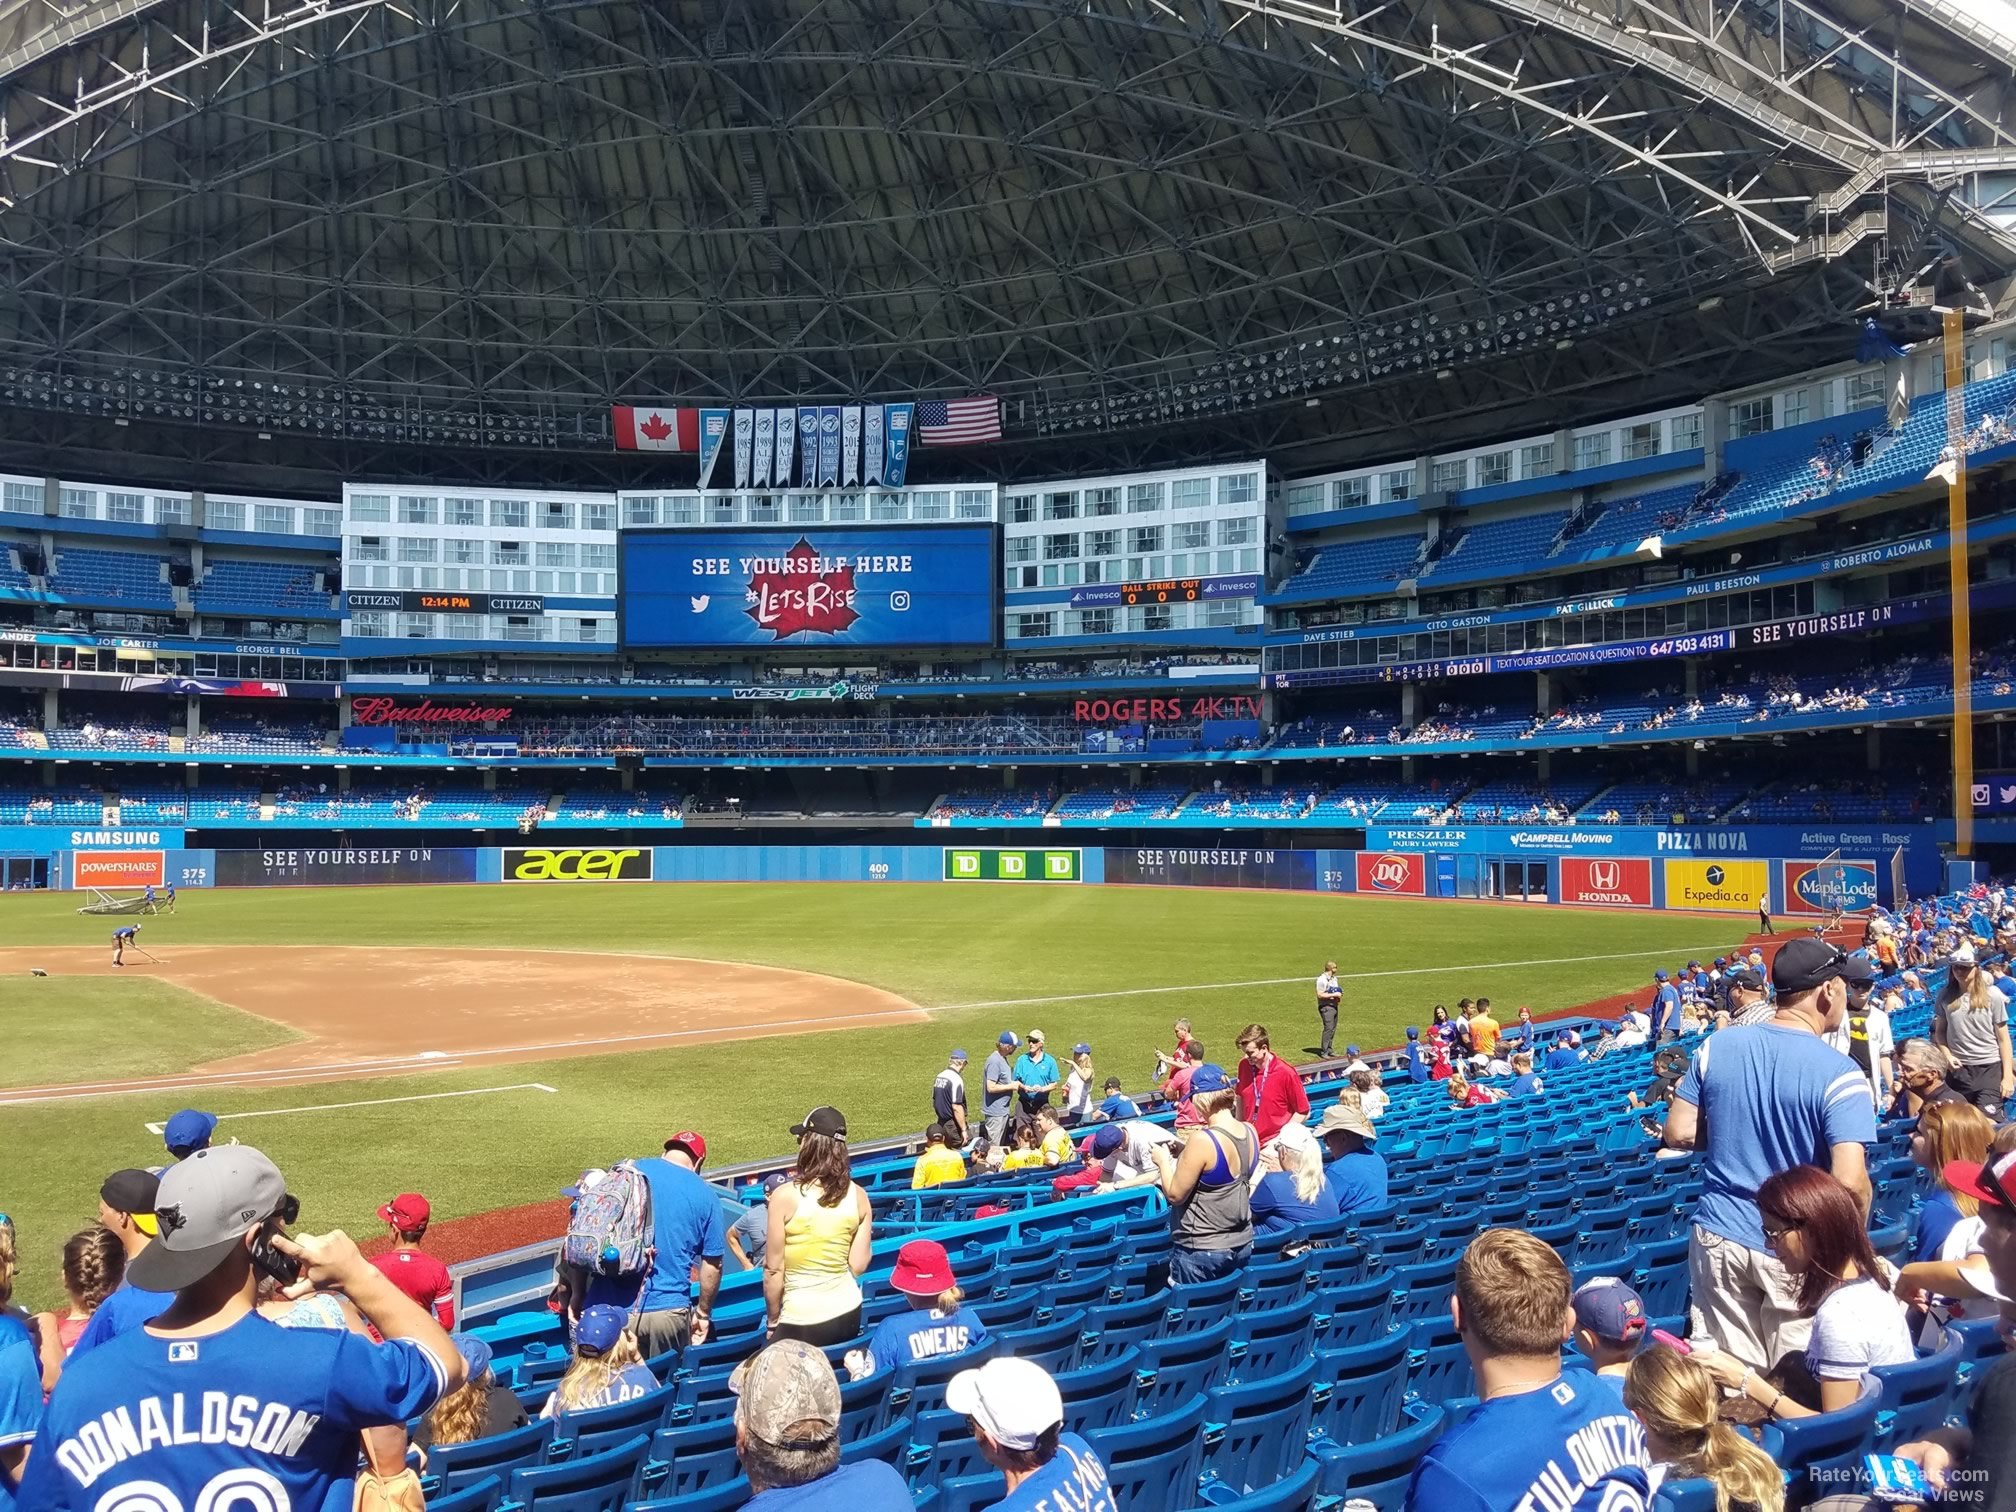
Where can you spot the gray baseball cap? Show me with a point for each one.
(782, 1385)
(206, 1206)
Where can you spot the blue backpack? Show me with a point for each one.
(609, 1232)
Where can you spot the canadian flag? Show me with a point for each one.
(641, 427)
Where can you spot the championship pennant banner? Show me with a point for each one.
(810, 446)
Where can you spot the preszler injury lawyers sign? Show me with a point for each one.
(1011, 865)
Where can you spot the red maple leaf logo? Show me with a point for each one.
(793, 596)
(656, 427)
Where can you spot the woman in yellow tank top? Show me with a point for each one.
(820, 1233)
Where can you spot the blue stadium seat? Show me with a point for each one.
(1274, 1340)
(1271, 1283)
(722, 1498)
(1016, 1310)
(482, 1496)
(1437, 1366)
(1821, 1454)
(693, 1457)
(1357, 1314)
(1202, 1305)
(1980, 1339)
(1055, 1345)
(597, 1429)
(864, 1405)
(1176, 1368)
(1695, 1495)
(1378, 1472)
(1153, 1464)
(600, 1483)
(920, 1385)
(1265, 1429)
(1917, 1397)
(1117, 1326)
(1358, 1391)
(1101, 1394)
(1336, 1265)
(451, 1467)
(1659, 1275)
(891, 1445)
(1296, 1492)
(1422, 1291)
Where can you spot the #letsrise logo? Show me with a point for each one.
(799, 599)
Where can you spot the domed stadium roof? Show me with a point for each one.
(449, 233)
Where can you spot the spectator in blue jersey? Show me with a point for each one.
(749, 1235)
(20, 1378)
(1017, 1415)
(1417, 1063)
(1539, 1436)
(1117, 1104)
(1354, 1171)
(1776, 1096)
(1665, 1013)
(126, 1207)
(187, 1132)
(686, 1230)
(1564, 1054)
(607, 1366)
(1293, 1189)
(1525, 1083)
(291, 1403)
(787, 1436)
(938, 1324)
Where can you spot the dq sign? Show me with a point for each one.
(1404, 875)
(1613, 881)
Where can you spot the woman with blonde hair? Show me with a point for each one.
(1679, 1404)
(607, 1366)
(1079, 1084)
(1959, 1268)
(1970, 1022)
(478, 1408)
(821, 1232)
(1946, 1132)
(1291, 1190)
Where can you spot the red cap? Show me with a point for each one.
(923, 1269)
(691, 1143)
(406, 1212)
(1994, 1183)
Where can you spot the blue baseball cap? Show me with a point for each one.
(1081, 1048)
(1721, 960)
(189, 1130)
(1693, 965)
(599, 1329)
(1209, 1078)
(1109, 1138)
(773, 1181)
(958, 1055)
(587, 1182)
(1008, 1039)
(1659, 976)
(1609, 1309)
(1412, 1032)
(1351, 1050)
(475, 1354)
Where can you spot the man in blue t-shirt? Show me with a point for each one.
(1353, 1170)
(1760, 1099)
(20, 1404)
(997, 1088)
(1017, 1415)
(1665, 1007)
(1036, 1075)
(686, 1230)
(1564, 1054)
(1118, 1105)
(1539, 1437)
(787, 1436)
(214, 1405)
(1417, 1063)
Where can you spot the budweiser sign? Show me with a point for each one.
(383, 711)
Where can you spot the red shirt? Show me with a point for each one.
(423, 1278)
(1269, 1099)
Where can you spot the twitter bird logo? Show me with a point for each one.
(700, 601)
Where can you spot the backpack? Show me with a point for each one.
(609, 1233)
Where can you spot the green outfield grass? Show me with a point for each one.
(974, 955)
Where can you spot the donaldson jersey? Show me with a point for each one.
(258, 1415)
(1569, 1447)
(925, 1334)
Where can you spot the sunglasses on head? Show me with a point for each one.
(1995, 1184)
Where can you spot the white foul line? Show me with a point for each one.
(377, 1102)
(1357, 976)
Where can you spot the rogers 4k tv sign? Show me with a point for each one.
(577, 863)
(1402, 875)
(1613, 881)
(1814, 888)
(1011, 865)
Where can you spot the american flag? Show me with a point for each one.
(958, 422)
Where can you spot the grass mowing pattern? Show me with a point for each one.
(938, 945)
(67, 1029)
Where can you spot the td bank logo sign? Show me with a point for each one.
(1011, 865)
(577, 864)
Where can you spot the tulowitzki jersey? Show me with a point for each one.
(257, 1418)
(1568, 1447)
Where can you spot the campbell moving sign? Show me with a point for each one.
(385, 711)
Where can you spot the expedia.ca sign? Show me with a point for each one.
(578, 864)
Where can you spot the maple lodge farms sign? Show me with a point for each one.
(383, 711)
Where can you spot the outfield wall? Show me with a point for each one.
(1722, 869)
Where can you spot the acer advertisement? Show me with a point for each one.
(1392, 873)
(912, 585)
(1610, 881)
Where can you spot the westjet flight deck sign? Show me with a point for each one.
(915, 585)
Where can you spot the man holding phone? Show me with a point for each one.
(212, 1404)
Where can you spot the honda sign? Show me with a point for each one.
(1612, 881)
